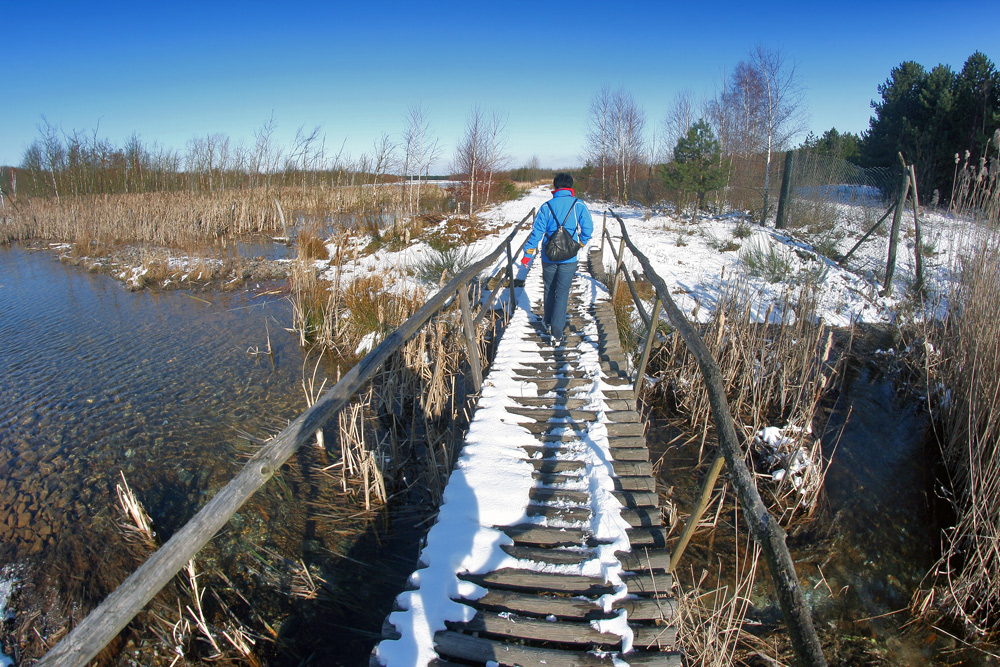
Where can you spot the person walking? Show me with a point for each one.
(564, 210)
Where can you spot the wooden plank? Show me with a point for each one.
(631, 454)
(632, 468)
(653, 636)
(482, 650)
(551, 384)
(542, 494)
(623, 416)
(643, 558)
(528, 533)
(556, 465)
(577, 514)
(533, 629)
(638, 498)
(648, 537)
(640, 483)
(531, 580)
(545, 414)
(627, 441)
(562, 607)
(641, 517)
(561, 427)
(575, 607)
(627, 428)
(555, 555)
(550, 401)
(647, 583)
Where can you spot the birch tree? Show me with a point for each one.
(470, 153)
(598, 149)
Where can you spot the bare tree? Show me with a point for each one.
(496, 158)
(471, 152)
(598, 140)
(627, 124)
(679, 119)
(421, 151)
(266, 156)
(779, 107)
(756, 114)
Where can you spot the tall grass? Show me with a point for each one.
(963, 362)
(181, 218)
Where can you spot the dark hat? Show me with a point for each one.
(562, 180)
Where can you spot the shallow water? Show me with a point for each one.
(97, 379)
(872, 540)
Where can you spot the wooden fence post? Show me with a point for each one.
(784, 198)
(470, 339)
(918, 244)
(890, 264)
(644, 359)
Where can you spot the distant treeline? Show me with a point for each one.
(939, 119)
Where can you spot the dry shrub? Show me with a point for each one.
(963, 364)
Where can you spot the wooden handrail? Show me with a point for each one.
(109, 618)
(763, 527)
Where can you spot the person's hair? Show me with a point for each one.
(562, 180)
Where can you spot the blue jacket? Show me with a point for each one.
(579, 223)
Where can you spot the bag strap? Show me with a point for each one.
(565, 217)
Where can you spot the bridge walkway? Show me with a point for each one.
(576, 572)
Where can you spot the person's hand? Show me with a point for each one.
(525, 260)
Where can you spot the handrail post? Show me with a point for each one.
(604, 230)
(644, 359)
(618, 267)
(697, 512)
(510, 282)
(470, 339)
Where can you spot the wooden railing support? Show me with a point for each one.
(764, 529)
(640, 373)
(699, 509)
(475, 364)
(109, 618)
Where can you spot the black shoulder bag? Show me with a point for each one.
(561, 245)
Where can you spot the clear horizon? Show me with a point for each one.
(190, 70)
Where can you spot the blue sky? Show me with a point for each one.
(173, 71)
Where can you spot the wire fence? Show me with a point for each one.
(834, 203)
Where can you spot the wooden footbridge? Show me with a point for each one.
(550, 601)
(549, 547)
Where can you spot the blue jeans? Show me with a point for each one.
(557, 279)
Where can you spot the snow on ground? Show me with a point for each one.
(699, 259)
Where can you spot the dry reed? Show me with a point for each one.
(962, 364)
(773, 374)
(711, 622)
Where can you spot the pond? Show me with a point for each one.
(165, 388)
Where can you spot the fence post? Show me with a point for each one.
(618, 267)
(644, 359)
(781, 218)
(918, 244)
(510, 281)
(470, 339)
(604, 228)
(890, 264)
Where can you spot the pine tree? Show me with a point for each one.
(697, 167)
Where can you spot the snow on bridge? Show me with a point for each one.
(548, 547)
